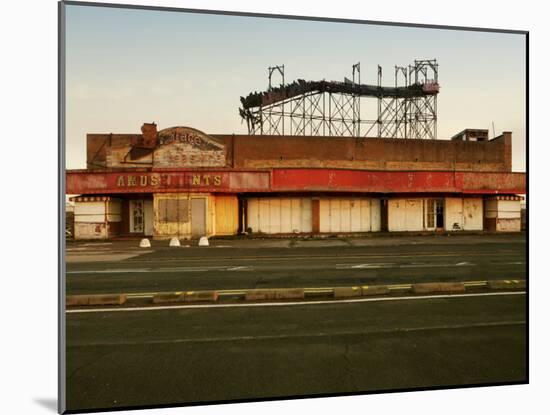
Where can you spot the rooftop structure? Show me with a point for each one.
(408, 109)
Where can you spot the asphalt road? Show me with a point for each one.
(183, 355)
(123, 268)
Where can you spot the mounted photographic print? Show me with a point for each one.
(265, 207)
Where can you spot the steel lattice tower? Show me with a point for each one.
(329, 108)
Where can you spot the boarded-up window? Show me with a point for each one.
(280, 215)
(349, 215)
(174, 210)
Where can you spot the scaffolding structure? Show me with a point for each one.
(330, 108)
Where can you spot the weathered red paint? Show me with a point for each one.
(396, 181)
(87, 182)
(293, 180)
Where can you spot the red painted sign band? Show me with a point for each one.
(295, 180)
(162, 182)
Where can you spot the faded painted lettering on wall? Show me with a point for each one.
(187, 147)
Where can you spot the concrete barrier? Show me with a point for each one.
(346, 292)
(144, 243)
(174, 242)
(438, 287)
(203, 241)
(275, 294)
(505, 284)
(163, 298)
(374, 290)
(194, 296)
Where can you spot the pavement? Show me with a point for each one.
(122, 267)
(119, 359)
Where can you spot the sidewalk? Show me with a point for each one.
(307, 242)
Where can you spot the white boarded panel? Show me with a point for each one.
(324, 215)
(414, 215)
(90, 218)
(263, 216)
(286, 216)
(509, 209)
(252, 211)
(306, 215)
(365, 215)
(89, 208)
(355, 215)
(509, 205)
(396, 215)
(453, 214)
(375, 216)
(279, 215)
(405, 215)
(334, 215)
(274, 216)
(473, 214)
(345, 215)
(91, 212)
(296, 215)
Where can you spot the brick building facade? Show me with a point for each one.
(182, 182)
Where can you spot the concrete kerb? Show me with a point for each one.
(164, 298)
(506, 284)
(100, 299)
(275, 294)
(271, 294)
(438, 287)
(375, 290)
(198, 296)
(347, 292)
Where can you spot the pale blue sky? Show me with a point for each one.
(126, 67)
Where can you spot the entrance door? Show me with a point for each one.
(198, 217)
(439, 221)
(136, 216)
(433, 214)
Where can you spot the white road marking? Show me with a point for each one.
(293, 304)
(240, 268)
(379, 265)
(300, 257)
(160, 270)
(309, 335)
(394, 265)
(110, 271)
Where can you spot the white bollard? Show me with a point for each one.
(174, 241)
(144, 243)
(203, 241)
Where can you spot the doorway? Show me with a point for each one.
(141, 216)
(136, 216)
(434, 214)
(439, 221)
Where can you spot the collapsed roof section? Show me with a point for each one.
(300, 87)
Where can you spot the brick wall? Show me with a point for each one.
(109, 150)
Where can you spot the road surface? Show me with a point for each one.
(121, 267)
(183, 355)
